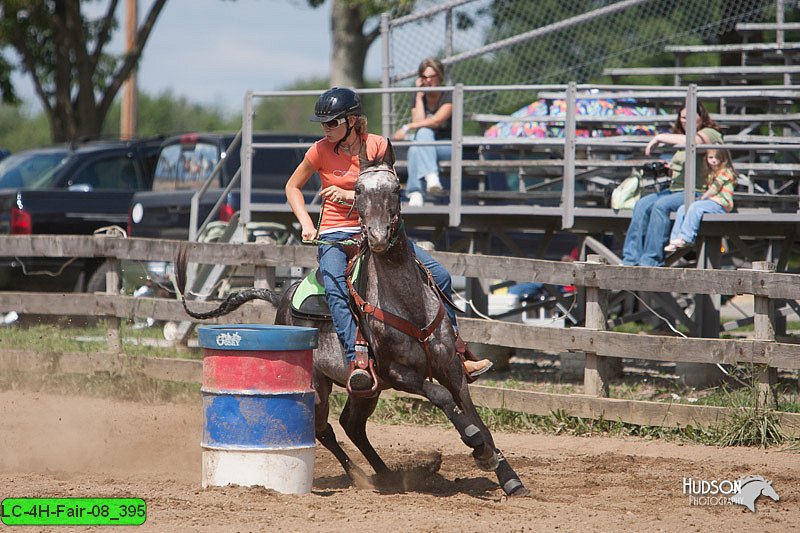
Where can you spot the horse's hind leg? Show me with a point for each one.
(326, 436)
(354, 421)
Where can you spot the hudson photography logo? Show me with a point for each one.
(743, 491)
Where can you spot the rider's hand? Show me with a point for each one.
(308, 233)
(336, 194)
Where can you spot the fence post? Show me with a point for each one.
(113, 322)
(263, 275)
(596, 371)
(764, 330)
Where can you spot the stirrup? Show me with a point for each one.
(362, 369)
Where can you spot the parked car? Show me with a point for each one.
(69, 189)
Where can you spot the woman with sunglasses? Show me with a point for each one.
(430, 117)
(335, 158)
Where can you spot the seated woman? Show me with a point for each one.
(430, 117)
(335, 158)
(718, 198)
(649, 228)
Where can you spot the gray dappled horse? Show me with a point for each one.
(395, 285)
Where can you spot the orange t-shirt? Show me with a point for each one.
(341, 170)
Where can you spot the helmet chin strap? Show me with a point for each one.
(346, 135)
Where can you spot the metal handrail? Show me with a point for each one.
(572, 92)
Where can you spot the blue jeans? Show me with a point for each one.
(423, 160)
(686, 227)
(332, 265)
(648, 232)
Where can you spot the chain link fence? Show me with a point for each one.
(491, 42)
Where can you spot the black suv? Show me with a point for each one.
(69, 189)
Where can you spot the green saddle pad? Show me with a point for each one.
(309, 298)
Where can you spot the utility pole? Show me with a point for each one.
(128, 111)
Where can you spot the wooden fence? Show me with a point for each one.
(597, 278)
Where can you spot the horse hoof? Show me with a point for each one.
(487, 464)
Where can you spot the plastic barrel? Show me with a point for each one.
(258, 406)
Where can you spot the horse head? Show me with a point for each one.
(378, 199)
(751, 488)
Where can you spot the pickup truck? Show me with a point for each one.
(185, 162)
(69, 189)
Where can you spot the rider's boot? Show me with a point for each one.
(473, 366)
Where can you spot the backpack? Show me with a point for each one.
(626, 193)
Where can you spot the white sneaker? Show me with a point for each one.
(432, 182)
(415, 199)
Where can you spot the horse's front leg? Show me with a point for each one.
(472, 434)
(326, 436)
(475, 434)
(506, 476)
(354, 421)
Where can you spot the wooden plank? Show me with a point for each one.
(136, 249)
(60, 362)
(127, 307)
(639, 412)
(183, 370)
(631, 346)
(774, 285)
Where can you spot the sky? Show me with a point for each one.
(213, 51)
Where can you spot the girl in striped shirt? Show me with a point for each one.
(718, 198)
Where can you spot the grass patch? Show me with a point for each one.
(134, 388)
(45, 338)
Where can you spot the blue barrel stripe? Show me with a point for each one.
(273, 422)
(242, 337)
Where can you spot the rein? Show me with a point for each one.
(422, 335)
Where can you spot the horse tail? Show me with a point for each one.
(229, 304)
(234, 301)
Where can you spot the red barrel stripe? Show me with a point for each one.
(258, 371)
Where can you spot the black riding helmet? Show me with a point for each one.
(336, 103)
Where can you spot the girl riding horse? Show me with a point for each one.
(335, 158)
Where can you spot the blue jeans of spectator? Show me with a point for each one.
(686, 227)
(332, 265)
(424, 159)
(648, 232)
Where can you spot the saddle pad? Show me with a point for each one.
(309, 298)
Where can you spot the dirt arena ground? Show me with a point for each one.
(55, 446)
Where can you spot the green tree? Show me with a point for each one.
(166, 114)
(64, 52)
(355, 25)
